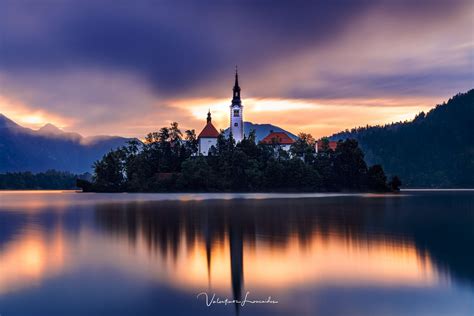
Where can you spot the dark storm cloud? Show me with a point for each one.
(433, 82)
(176, 46)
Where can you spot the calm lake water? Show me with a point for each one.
(66, 253)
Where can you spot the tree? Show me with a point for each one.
(175, 134)
(395, 184)
(196, 175)
(109, 174)
(377, 181)
(191, 142)
(349, 166)
(164, 163)
(303, 147)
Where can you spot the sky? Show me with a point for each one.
(130, 67)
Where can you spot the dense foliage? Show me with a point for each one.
(49, 180)
(167, 162)
(434, 150)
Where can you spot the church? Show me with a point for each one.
(208, 136)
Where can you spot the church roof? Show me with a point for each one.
(280, 138)
(331, 145)
(209, 131)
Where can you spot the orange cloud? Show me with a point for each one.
(24, 115)
(319, 117)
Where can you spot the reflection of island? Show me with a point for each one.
(270, 246)
(281, 243)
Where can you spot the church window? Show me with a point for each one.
(236, 112)
(236, 124)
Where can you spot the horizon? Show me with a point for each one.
(221, 114)
(129, 69)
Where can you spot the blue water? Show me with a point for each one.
(68, 253)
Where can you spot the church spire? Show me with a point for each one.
(209, 116)
(236, 85)
(236, 96)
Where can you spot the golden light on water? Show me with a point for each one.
(329, 259)
(32, 258)
(324, 260)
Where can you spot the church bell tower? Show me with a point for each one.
(236, 112)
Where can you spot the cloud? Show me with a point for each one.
(179, 45)
(105, 66)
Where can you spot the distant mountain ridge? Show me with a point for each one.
(262, 130)
(24, 149)
(436, 149)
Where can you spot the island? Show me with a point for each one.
(168, 162)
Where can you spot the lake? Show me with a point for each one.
(67, 253)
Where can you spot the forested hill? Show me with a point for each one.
(434, 150)
(24, 149)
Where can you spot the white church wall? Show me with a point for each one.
(236, 122)
(205, 144)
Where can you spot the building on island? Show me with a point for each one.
(280, 139)
(208, 136)
(319, 146)
(236, 112)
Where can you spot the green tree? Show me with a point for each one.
(303, 147)
(191, 142)
(395, 184)
(109, 174)
(349, 166)
(164, 163)
(377, 181)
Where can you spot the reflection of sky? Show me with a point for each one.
(35, 255)
(58, 250)
(101, 68)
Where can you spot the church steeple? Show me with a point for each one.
(236, 85)
(237, 112)
(236, 96)
(209, 116)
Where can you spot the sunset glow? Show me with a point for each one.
(328, 74)
(323, 260)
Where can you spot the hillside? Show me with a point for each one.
(24, 149)
(434, 150)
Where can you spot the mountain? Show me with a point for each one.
(50, 129)
(262, 130)
(24, 149)
(436, 149)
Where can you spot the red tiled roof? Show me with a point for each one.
(332, 145)
(280, 138)
(209, 131)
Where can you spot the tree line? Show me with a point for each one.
(435, 149)
(49, 180)
(169, 161)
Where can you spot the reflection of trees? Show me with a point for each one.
(416, 219)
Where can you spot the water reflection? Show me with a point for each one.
(30, 258)
(282, 243)
(269, 247)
